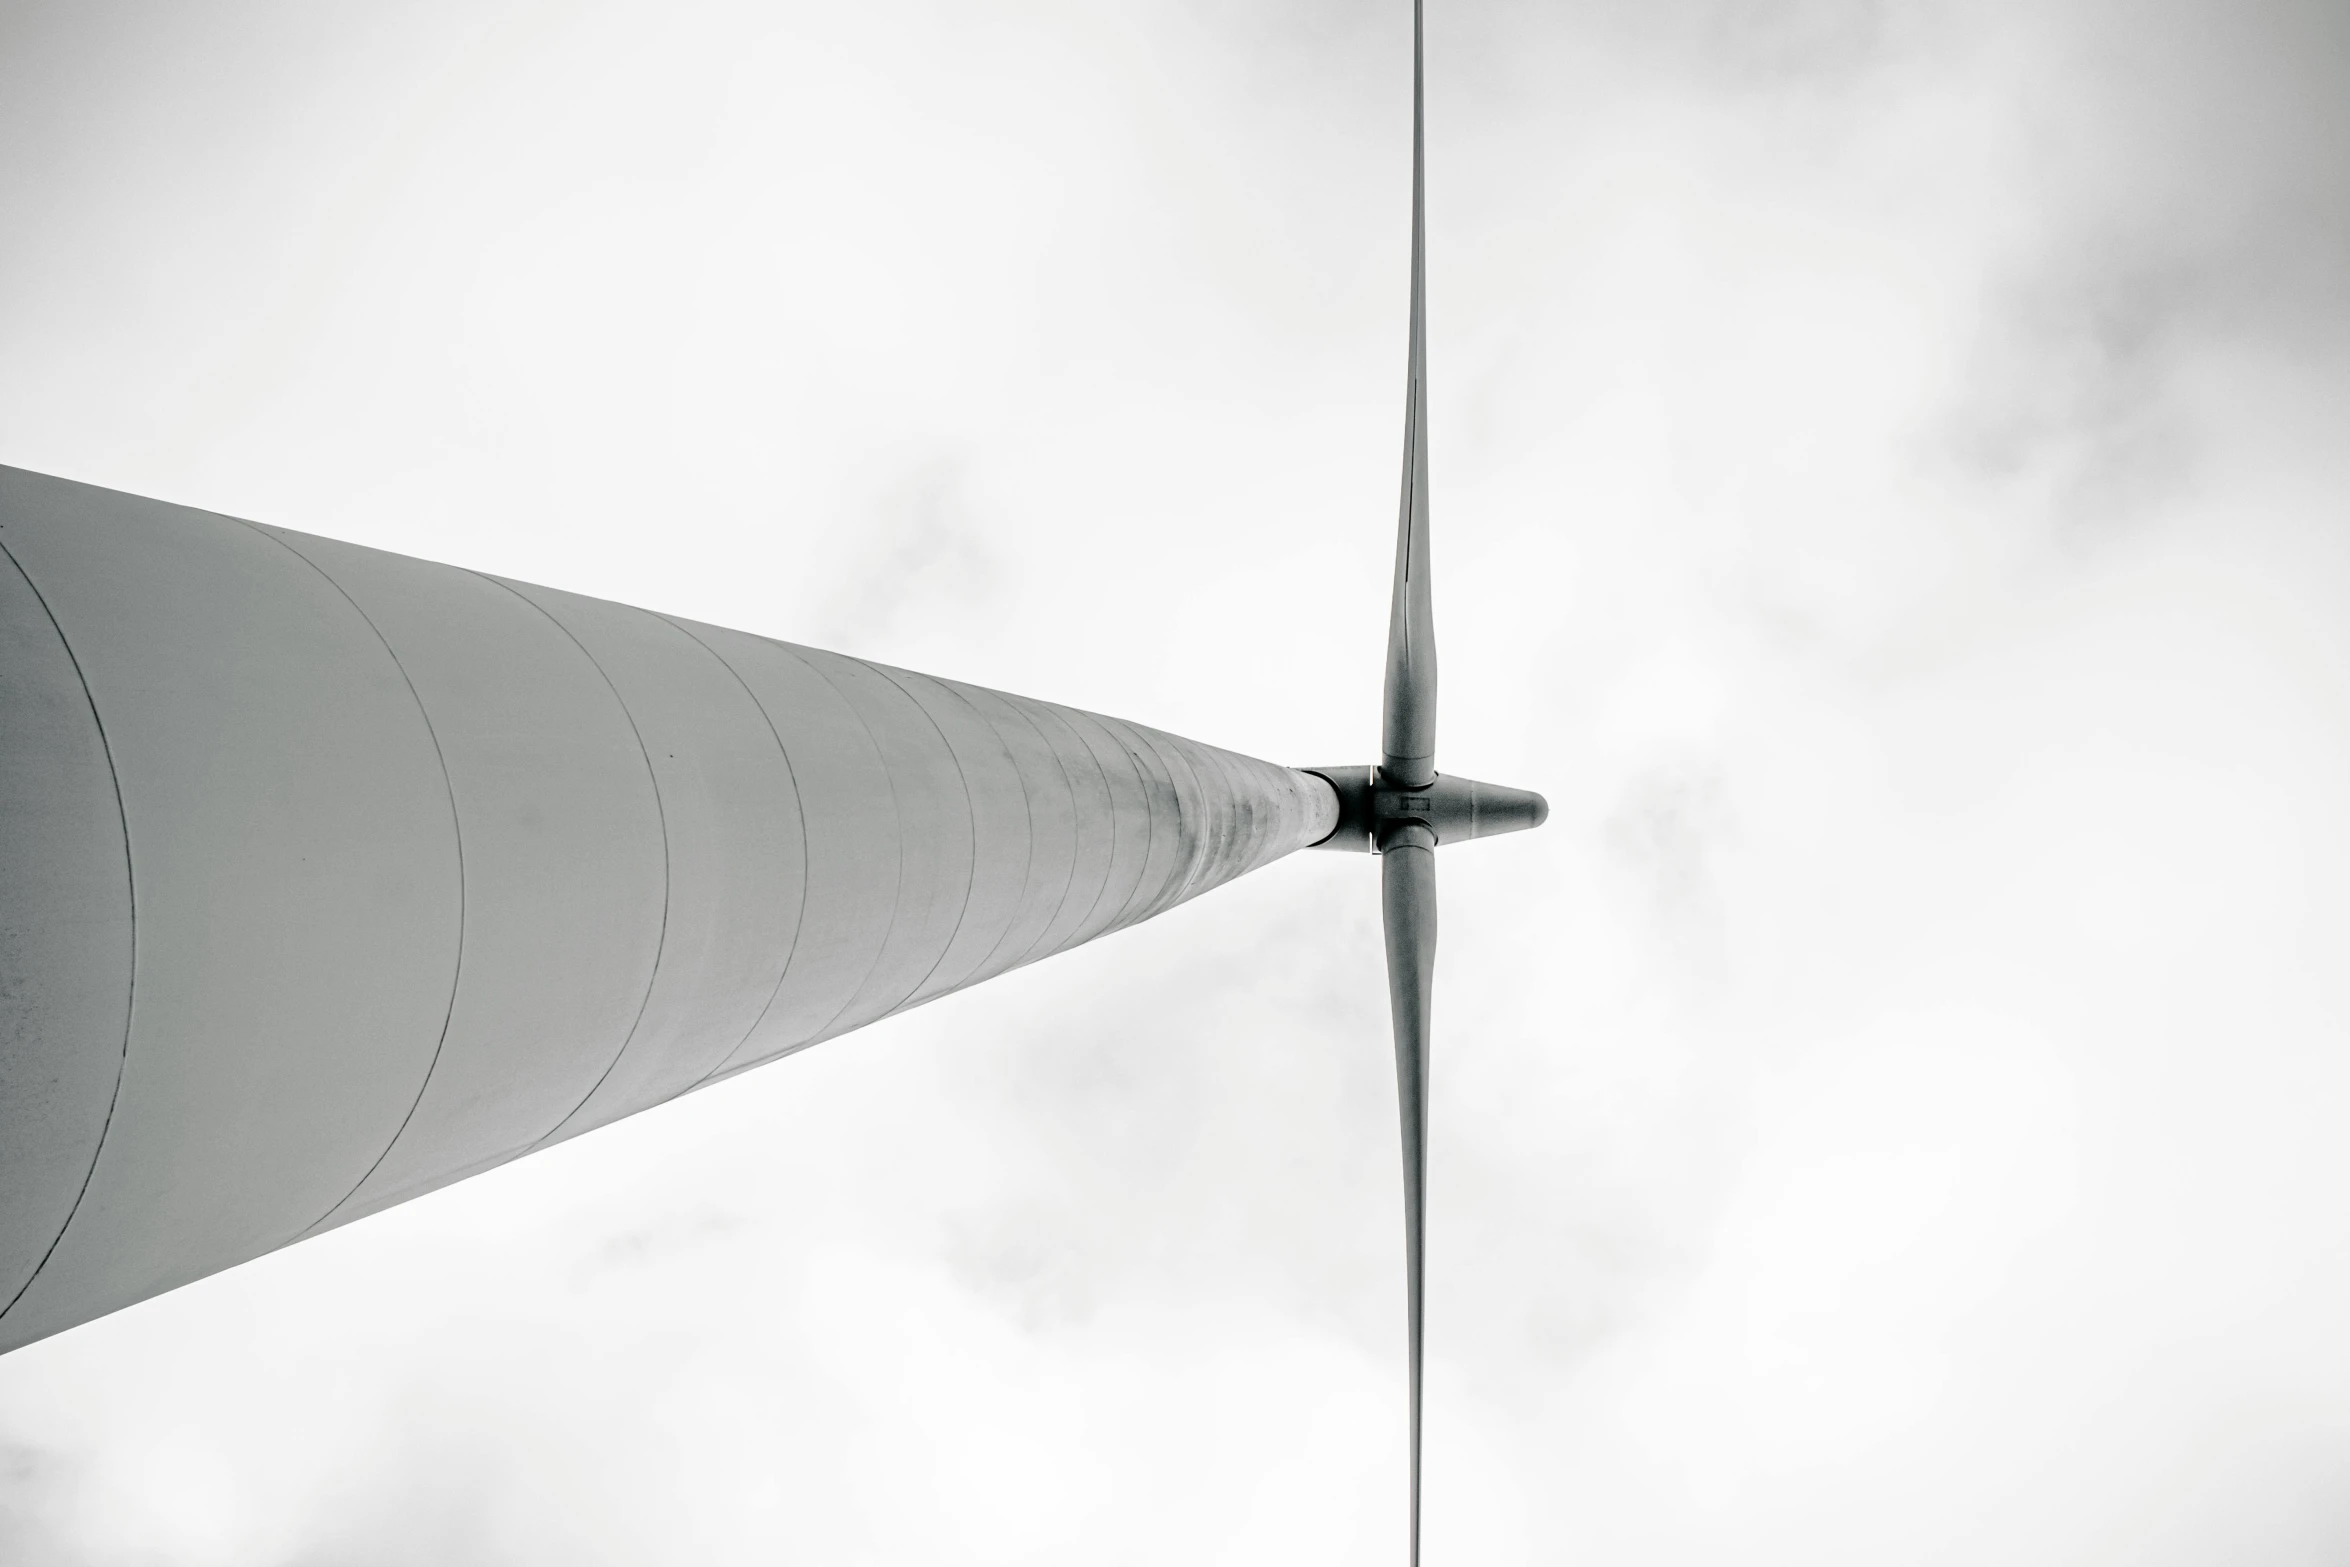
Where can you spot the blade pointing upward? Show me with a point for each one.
(1407, 885)
(1408, 721)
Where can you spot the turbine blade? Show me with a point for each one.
(1408, 716)
(1407, 886)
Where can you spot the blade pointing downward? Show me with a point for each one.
(1407, 878)
(1408, 720)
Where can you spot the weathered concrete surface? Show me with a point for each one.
(328, 876)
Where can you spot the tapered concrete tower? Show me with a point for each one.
(328, 876)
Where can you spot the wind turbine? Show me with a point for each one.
(329, 876)
(1403, 810)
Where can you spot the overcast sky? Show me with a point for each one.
(1890, 493)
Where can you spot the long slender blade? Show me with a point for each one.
(1407, 886)
(1408, 717)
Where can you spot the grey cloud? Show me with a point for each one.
(919, 556)
(1663, 830)
(2188, 203)
(1207, 1136)
(35, 1487)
